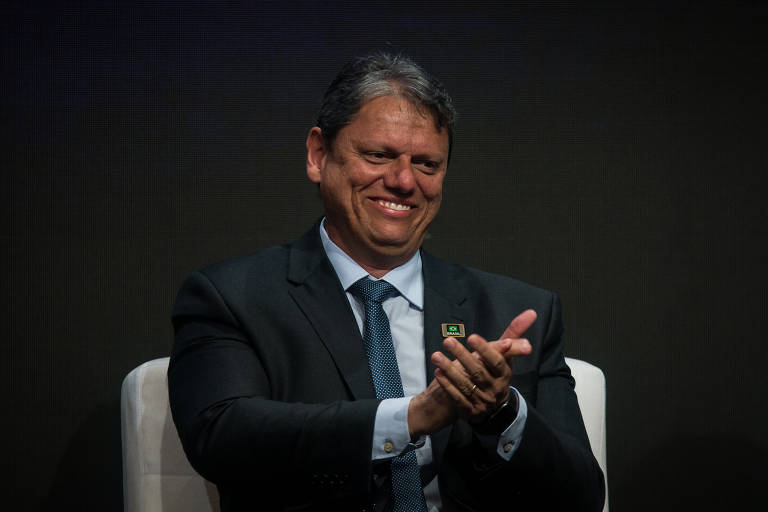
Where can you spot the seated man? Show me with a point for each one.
(335, 373)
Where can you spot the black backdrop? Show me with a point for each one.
(614, 154)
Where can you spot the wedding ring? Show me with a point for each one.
(472, 391)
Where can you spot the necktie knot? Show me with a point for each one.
(368, 290)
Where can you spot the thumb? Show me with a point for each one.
(519, 325)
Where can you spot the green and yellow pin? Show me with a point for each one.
(453, 330)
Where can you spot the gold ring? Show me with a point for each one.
(472, 391)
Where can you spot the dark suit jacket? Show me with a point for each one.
(272, 396)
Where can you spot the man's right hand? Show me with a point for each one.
(430, 411)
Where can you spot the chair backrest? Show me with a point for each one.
(590, 392)
(158, 478)
(156, 474)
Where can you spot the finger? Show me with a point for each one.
(511, 348)
(493, 361)
(500, 346)
(519, 347)
(497, 365)
(454, 392)
(519, 325)
(474, 368)
(471, 402)
(456, 373)
(468, 407)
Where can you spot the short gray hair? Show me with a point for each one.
(380, 74)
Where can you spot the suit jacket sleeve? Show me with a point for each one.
(553, 468)
(234, 401)
(554, 460)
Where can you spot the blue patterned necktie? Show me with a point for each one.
(406, 480)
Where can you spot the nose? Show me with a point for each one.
(400, 177)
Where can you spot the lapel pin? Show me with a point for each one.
(455, 330)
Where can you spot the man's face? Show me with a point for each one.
(381, 182)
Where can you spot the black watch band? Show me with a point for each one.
(501, 418)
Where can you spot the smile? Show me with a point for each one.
(393, 206)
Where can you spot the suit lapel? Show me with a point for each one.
(445, 301)
(318, 293)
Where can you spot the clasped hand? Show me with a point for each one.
(474, 384)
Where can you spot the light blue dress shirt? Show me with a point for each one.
(406, 318)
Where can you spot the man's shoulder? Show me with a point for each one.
(261, 270)
(498, 281)
(268, 264)
(266, 260)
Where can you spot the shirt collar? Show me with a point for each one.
(407, 278)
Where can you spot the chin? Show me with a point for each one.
(395, 247)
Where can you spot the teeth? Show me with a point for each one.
(394, 206)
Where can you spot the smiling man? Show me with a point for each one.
(381, 181)
(335, 373)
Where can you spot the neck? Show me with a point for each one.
(378, 273)
(376, 263)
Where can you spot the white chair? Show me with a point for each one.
(158, 478)
(590, 392)
(156, 474)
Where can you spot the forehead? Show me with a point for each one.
(396, 119)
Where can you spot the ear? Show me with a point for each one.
(316, 154)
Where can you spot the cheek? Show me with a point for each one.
(355, 178)
(362, 177)
(340, 183)
(432, 188)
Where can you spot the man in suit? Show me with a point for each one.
(294, 388)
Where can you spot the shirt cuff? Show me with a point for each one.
(390, 430)
(510, 439)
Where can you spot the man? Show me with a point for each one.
(294, 386)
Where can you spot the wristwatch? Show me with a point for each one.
(500, 419)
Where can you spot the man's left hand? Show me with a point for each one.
(478, 381)
(478, 385)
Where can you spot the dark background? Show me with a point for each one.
(614, 154)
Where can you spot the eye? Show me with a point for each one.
(377, 156)
(427, 166)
